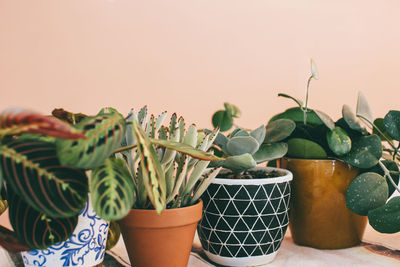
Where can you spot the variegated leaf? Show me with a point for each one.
(185, 149)
(31, 168)
(17, 121)
(35, 229)
(152, 172)
(112, 189)
(104, 133)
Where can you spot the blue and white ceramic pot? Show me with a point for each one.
(85, 247)
(244, 220)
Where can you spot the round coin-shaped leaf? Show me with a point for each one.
(386, 219)
(365, 152)
(223, 120)
(391, 123)
(339, 142)
(306, 149)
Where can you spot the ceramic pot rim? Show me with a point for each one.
(288, 176)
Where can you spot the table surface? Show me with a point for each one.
(377, 250)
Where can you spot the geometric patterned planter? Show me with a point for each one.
(245, 220)
(85, 247)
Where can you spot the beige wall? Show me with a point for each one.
(190, 56)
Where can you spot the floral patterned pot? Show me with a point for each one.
(245, 220)
(85, 247)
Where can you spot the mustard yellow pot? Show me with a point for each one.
(319, 217)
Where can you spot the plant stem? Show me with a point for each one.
(124, 148)
(387, 174)
(306, 105)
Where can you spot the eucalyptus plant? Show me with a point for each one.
(48, 167)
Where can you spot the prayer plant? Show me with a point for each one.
(48, 167)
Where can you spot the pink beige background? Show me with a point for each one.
(190, 56)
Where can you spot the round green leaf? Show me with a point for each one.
(239, 145)
(240, 163)
(379, 124)
(391, 123)
(339, 142)
(391, 166)
(279, 130)
(303, 148)
(223, 120)
(268, 152)
(297, 115)
(386, 219)
(233, 110)
(365, 152)
(366, 192)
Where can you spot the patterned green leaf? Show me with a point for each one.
(35, 229)
(17, 121)
(33, 171)
(386, 218)
(112, 189)
(185, 149)
(365, 152)
(391, 122)
(104, 133)
(153, 175)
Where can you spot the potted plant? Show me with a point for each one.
(48, 172)
(325, 158)
(245, 212)
(167, 174)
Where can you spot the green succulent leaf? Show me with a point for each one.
(112, 189)
(32, 170)
(259, 134)
(104, 134)
(352, 121)
(297, 115)
(306, 149)
(386, 218)
(239, 145)
(223, 120)
(239, 132)
(268, 152)
(153, 174)
(338, 141)
(232, 109)
(391, 123)
(366, 192)
(392, 167)
(35, 229)
(186, 149)
(279, 130)
(379, 124)
(240, 163)
(365, 152)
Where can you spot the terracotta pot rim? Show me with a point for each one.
(288, 176)
(168, 218)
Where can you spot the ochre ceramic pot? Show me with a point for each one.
(319, 217)
(154, 240)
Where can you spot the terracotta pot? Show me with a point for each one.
(319, 217)
(154, 240)
(244, 220)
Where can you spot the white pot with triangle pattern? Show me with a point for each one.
(245, 220)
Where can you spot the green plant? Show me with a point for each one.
(170, 173)
(224, 118)
(44, 164)
(317, 136)
(244, 150)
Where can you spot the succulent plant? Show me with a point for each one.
(245, 149)
(171, 158)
